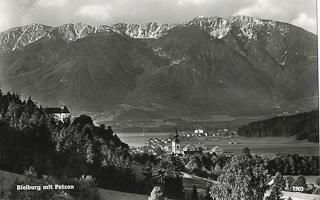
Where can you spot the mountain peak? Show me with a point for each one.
(246, 27)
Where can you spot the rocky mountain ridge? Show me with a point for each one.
(217, 27)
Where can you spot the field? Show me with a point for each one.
(264, 146)
(7, 179)
(300, 196)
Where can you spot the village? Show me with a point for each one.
(189, 143)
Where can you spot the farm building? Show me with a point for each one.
(191, 149)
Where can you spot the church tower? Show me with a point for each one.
(176, 143)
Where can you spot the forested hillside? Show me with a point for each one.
(304, 126)
(65, 150)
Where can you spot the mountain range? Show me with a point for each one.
(208, 65)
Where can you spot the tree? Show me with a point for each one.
(277, 187)
(316, 191)
(157, 194)
(206, 195)
(194, 194)
(280, 181)
(173, 186)
(301, 182)
(246, 151)
(290, 180)
(243, 178)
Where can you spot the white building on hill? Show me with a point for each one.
(58, 113)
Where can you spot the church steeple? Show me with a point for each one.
(176, 137)
(176, 142)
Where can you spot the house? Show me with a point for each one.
(191, 149)
(167, 148)
(199, 130)
(202, 146)
(218, 150)
(58, 113)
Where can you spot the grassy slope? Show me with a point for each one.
(115, 195)
(300, 196)
(9, 178)
(188, 182)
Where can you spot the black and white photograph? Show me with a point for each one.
(159, 100)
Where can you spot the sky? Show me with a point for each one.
(54, 13)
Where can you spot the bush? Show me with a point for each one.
(316, 191)
(318, 181)
(301, 182)
(157, 194)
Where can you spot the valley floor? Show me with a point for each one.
(263, 146)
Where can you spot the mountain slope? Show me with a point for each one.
(209, 64)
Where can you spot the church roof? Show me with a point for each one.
(65, 109)
(203, 146)
(217, 149)
(176, 137)
(55, 110)
(189, 146)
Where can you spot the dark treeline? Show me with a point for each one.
(65, 150)
(304, 126)
(293, 164)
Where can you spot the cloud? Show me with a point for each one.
(52, 3)
(4, 21)
(262, 8)
(10, 14)
(293, 11)
(95, 12)
(304, 20)
(196, 2)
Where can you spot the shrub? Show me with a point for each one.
(318, 181)
(157, 194)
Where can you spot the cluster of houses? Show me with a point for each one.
(173, 145)
(158, 142)
(223, 133)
